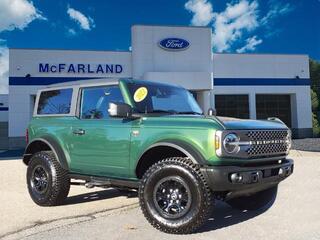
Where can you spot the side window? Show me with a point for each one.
(55, 101)
(95, 101)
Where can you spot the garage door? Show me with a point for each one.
(270, 105)
(3, 135)
(232, 105)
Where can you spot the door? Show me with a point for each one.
(274, 105)
(100, 145)
(231, 105)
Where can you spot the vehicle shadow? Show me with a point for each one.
(98, 196)
(225, 216)
(11, 154)
(222, 216)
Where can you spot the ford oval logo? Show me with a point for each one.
(174, 44)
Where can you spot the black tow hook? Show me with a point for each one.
(254, 177)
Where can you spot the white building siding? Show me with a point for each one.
(4, 104)
(147, 56)
(260, 66)
(253, 74)
(26, 61)
(4, 121)
(300, 101)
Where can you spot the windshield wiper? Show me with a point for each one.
(189, 112)
(172, 112)
(162, 111)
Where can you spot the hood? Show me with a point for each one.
(182, 121)
(213, 122)
(239, 124)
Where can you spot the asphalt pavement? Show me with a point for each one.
(108, 214)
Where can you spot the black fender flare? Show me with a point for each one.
(53, 145)
(193, 154)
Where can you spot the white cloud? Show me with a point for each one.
(14, 14)
(17, 14)
(4, 68)
(202, 12)
(71, 32)
(86, 23)
(238, 22)
(229, 25)
(276, 9)
(251, 44)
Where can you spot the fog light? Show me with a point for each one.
(236, 178)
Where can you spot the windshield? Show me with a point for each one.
(158, 98)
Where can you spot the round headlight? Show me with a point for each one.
(231, 143)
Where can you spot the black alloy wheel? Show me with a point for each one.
(48, 183)
(39, 179)
(174, 196)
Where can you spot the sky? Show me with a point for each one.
(238, 26)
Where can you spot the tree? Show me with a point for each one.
(315, 95)
(315, 76)
(314, 101)
(315, 125)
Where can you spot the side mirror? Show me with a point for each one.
(212, 112)
(119, 110)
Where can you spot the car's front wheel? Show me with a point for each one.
(174, 196)
(48, 183)
(256, 201)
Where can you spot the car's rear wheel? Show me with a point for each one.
(174, 196)
(256, 201)
(48, 183)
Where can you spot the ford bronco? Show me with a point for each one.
(155, 139)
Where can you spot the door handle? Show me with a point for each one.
(79, 132)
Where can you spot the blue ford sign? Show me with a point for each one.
(174, 44)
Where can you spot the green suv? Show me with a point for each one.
(155, 139)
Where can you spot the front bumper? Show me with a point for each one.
(236, 181)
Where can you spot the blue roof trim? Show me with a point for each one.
(44, 80)
(3, 109)
(261, 82)
(216, 81)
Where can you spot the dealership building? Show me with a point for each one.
(255, 86)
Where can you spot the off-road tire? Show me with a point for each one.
(256, 201)
(201, 197)
(58, 180)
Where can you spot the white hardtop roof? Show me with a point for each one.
(87, 82)
(96, 82)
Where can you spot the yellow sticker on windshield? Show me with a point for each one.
(140, 94)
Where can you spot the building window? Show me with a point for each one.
(95, 101)
(232, 105)
(55, 102)
(274, 105)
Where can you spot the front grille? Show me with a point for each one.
(267, 135)
(267, 143)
